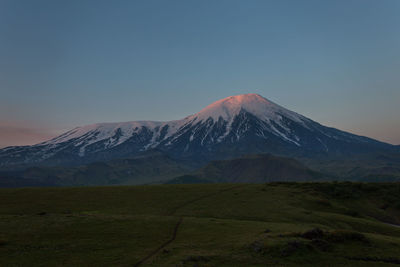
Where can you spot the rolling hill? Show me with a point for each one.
(145, 169)
(260, 168)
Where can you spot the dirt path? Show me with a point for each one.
(171, 213)
(166, 243)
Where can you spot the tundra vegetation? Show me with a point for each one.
(273, 224)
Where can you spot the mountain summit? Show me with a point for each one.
(230, 127)
(228, 108)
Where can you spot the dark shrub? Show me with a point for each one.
(321, 244)
(352, 213)
(257, 246)
(295, 246)
(341, 236)
(313, 233)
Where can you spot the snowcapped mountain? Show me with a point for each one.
(230, 127)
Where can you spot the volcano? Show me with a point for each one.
(228, 128)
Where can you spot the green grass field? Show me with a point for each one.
(276, 224)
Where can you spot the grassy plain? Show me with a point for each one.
(275, 224)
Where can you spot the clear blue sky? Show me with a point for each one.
(70, 63)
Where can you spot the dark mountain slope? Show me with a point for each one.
(188, 179)
(257, 169)
(139, 170)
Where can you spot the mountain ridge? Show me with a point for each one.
(259, 168)
(148, 168)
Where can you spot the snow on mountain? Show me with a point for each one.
(255, 104)
(114, 133)
(238, 124)
(226, 109)
(229, 108)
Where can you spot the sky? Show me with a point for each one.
(70, 63)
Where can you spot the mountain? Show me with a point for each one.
(228, 128)
(253, 169)
(152, 167)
